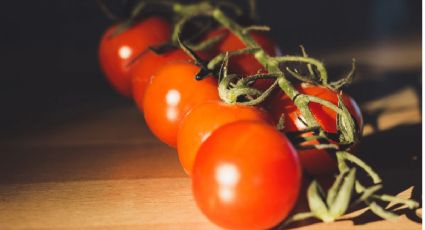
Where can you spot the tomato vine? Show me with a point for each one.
(341, 192)
(347, 190)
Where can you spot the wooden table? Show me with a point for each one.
(103, 169)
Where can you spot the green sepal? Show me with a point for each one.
(343, 197)
(295, 73)
(336, 85)
(411, 204)
(343, 156)
(220, 57)
(204, 45)
(368, 192)
(333, 190)
(345, 125)
(381, 212)
(281, 123)
(315, 202)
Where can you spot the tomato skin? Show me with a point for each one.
(242, 64)
(171, 94)
(147, 65)
(245, 64)
(115, 53)
(314, 161)
(199, 123)
(246, 176)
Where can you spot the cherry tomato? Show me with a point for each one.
(199, 123)
(245, 64)
(171, 94)
(147, 65)
(246, 176)
(116, 52)
(314, 161)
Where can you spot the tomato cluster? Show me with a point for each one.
(245, 173)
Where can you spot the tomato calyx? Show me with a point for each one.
(346, 126)
(346, 192)
(317, 75)
(338, 84)
(235, 90)
(346, 136)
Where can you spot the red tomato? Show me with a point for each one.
(245, 64)
(147, 65)
(316, 162)
(199, 123)
(172, 93)
(246, 176)
(116, 52)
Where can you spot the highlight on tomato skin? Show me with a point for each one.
(147, 65)
(202, 120)
(315, 161)
(171, 94)
(246, 176)
(117, 51)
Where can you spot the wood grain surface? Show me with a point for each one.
(104, 169)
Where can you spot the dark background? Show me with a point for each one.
(48, 49)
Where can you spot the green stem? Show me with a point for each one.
(252, 78)
(295, 218)
(104, 8)
(219, 58)
(263, 96)
(207, 43)
(411, 204)
(271, 64)
(256, 28)
(301, 78)
(310, 69)
(325, 103)
(350, 157)
(319, 65)
(253, 9)
(318, 146)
